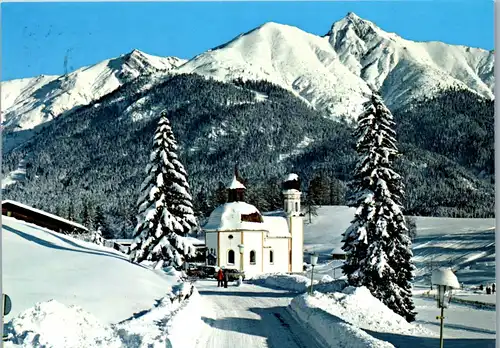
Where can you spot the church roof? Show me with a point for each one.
(292, 177)
(235, 184)
(277, 226)
(231, 216)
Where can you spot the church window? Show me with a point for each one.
(230, 257)
(271, 256)
(252, 257)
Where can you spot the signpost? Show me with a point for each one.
(7, 306)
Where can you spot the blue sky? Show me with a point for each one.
(37, 36)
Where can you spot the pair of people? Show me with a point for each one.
(221, 278)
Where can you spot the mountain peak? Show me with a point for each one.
(352, 15)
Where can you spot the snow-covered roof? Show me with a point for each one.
(227, 217)
(235, 184)
(122, 241)
(280, 213)
(277, 226)
(337, 251)
(445, 276)
(195, 241)
(291, 191)
(292, 177)
(52, 216)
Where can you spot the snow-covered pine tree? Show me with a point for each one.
(377, 246)
(177, 191)
(159, 234)
(96, 237)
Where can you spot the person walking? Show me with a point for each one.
(220, 278)
(225, 279)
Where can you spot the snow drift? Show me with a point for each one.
(298, 283)
(324, 326)
(344, 314)
(54, 325)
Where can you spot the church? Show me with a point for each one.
(238, 235)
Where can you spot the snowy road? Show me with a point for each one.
(248, 316)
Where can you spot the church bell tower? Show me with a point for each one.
(292, 209)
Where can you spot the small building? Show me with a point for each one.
(41, 218)
(338, 254)
(122, 245)
(270, 242)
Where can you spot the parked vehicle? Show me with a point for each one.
(209, 271)
(234, 274)
(194, 271)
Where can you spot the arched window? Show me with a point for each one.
(230, 257)
(297, 207)
(252, 257)
(271, 256)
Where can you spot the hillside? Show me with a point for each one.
(96, 155)
(39, 265)
(467, 245)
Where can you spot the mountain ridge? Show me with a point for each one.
(27, 103)
(330, 73)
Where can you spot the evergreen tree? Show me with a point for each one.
(319, 190)
(100, 223)
(177, 196)
(310, 206)
(337, 192)
(96, 237)
(86, 215)
(377, 244)
(71, 211)
(158, 234)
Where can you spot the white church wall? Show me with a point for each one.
(279, 246)
(297, 231)
(252, 240)
(226, 244)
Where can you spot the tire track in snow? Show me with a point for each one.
(249, 316)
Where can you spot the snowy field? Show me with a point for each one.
(468, 245)
(337, 311)
(69, 293)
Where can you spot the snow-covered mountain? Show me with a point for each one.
(330, 72)
(405, 69)
(333, 72)
(289, 57)
(29, 102)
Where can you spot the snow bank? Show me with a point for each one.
(298, 282)
(291, 282)
(170, 322)
(359, 307)
(54, 325)
(185, 326)
(344, 315)
(325, 326)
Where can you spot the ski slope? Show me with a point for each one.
(467, 245)
(39, 265)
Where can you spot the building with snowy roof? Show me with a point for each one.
(41, 218)
(241, 237)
